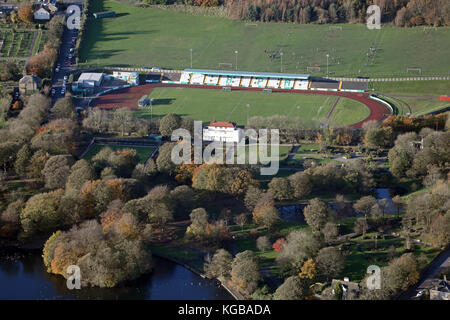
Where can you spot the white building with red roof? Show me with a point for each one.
(222, 131)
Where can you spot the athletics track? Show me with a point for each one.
(128, 98)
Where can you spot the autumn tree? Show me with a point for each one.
(308, 270)
(329, 262)
(316, 214)
(245, 271)
(300, 184)
(263, 243)
(330, 232)
(26, 14)
(364, 205)
(241, 220)
(199, 220)
(361, 226)
(293, 288)
(169, 123)
(219, 265)
(56, 171)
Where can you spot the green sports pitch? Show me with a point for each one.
(236, 106)
(154, 37)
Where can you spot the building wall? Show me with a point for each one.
(222, 134)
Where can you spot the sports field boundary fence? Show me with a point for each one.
(391, 79)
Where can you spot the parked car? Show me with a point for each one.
(70, 56)
(57, 70)
(52, 93)
(66, 77)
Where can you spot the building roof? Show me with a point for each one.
(222, 124)
(250, 74)
(42, 11)
(90, 76)
(442, 286)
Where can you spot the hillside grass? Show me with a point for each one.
(154, 37)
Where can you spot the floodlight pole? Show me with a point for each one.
(327, 62)
(191, 56)
(151, 109)
(281, 56)
(248, 110)
(236, 52)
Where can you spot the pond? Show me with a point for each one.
(23, 276)
(292, 213)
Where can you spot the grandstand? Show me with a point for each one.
(262, 80)
(265, 81)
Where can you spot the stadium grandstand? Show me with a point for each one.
(262, 80)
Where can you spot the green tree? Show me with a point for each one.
(280, 188)
(22, 160)
(41, 213)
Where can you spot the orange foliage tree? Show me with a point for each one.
(26, 14)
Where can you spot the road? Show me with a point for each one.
(433, 270)
(64, 51)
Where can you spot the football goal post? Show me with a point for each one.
(249, 24)
(313, 69)
(339, 28)
(225, 65)
(414, 70)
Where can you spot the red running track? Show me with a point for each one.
(129, 97)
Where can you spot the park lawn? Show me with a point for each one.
(348, 112)
(216, 105)
(153, 37)
(317, 159)
(357, 261)
(142, 152)
(245, 242)
(308, 148)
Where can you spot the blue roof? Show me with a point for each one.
(250, 74)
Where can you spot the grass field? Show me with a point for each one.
(347, 111)
(142, 152)
(149, 36)
(208, 105)
(415, 97)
